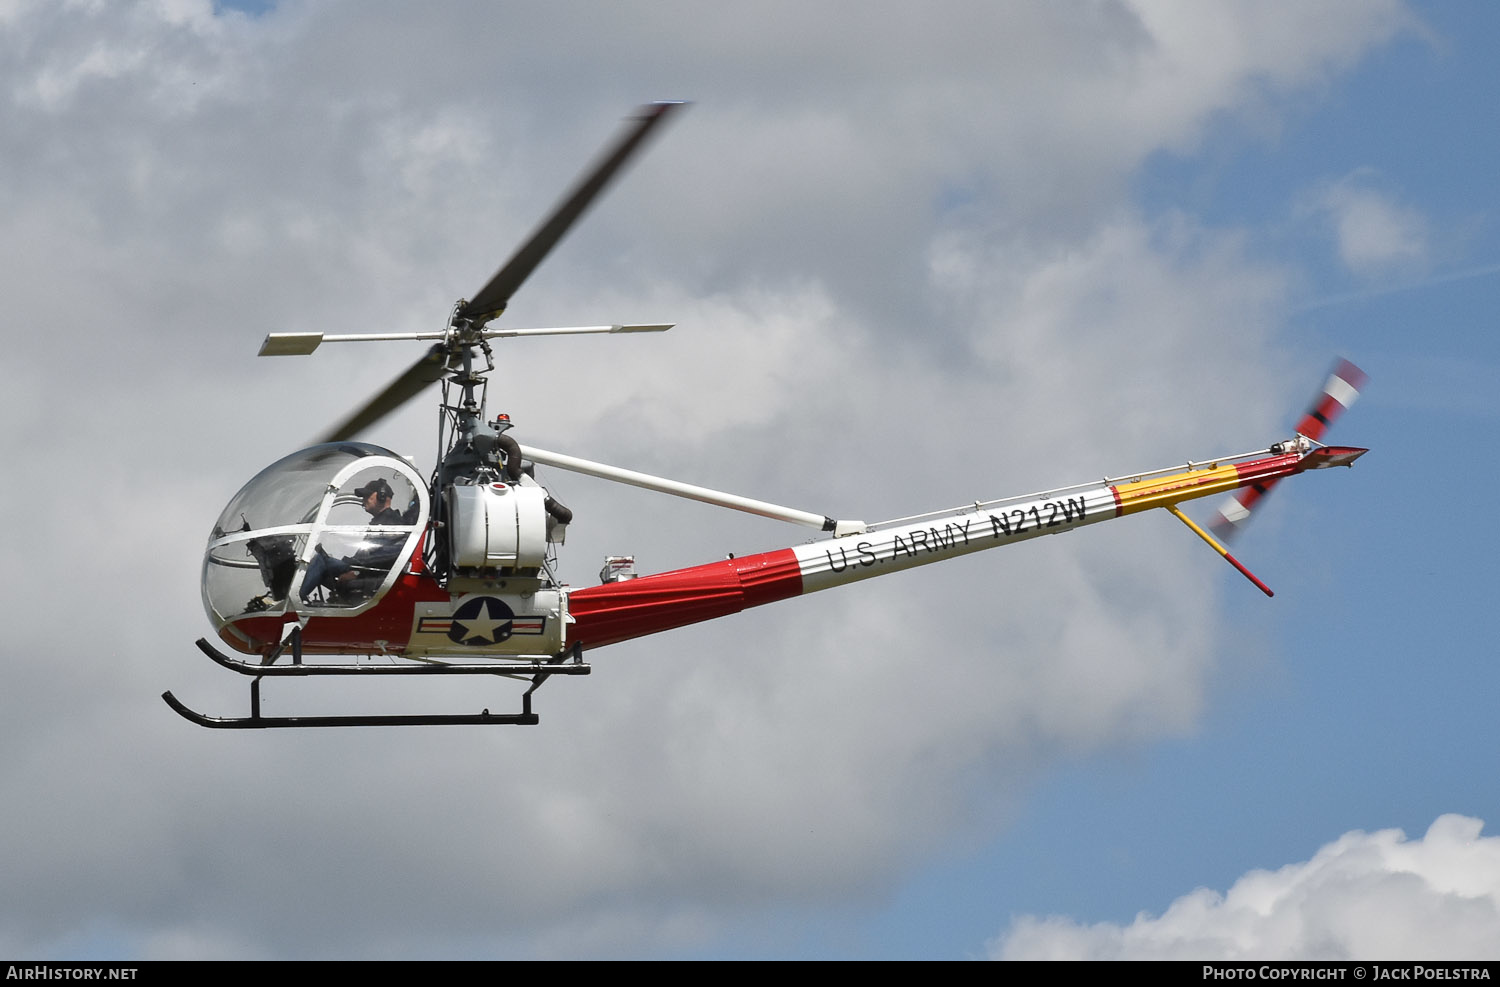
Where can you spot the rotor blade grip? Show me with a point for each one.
(425, 371)
(493, 297)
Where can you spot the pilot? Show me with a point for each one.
(376, 496)
(326, 571)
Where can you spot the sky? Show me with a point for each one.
(916, 258)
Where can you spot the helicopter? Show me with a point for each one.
(343, 560)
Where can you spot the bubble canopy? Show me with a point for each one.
(325, 531)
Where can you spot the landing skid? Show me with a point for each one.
(539, 671)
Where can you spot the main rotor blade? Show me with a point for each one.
(494, 296)
(425, 371)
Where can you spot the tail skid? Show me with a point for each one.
(1220, 549)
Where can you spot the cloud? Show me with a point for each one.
(1374, 234)
(898, 290)
(1365, 896)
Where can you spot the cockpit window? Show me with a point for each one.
(325, 530)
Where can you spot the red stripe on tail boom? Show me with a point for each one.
(636, 607)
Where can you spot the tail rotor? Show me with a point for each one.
(1340, 390)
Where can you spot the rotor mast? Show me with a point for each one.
(464, 335)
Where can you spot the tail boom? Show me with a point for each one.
(633, 608)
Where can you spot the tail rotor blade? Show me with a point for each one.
(1339, 392)
(1235, 510)
(494, 296)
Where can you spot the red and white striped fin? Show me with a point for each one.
(1339, 392)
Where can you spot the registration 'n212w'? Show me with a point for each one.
(913, 544)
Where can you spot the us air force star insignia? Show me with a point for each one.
(480, 622)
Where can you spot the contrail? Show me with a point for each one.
(1354, 296)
